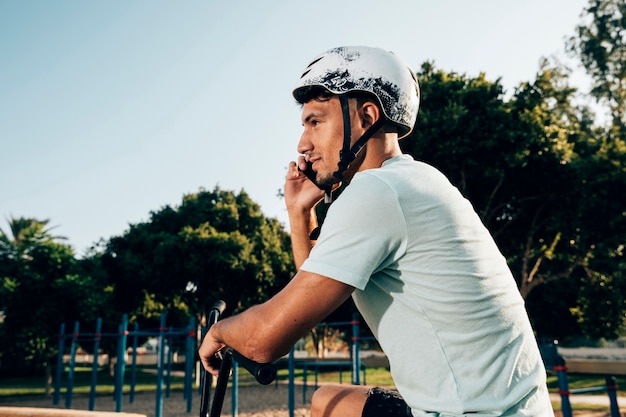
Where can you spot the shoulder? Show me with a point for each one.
(370, 205)
(369, 192)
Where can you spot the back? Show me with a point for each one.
(436, 292)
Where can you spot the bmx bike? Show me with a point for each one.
(264, 373)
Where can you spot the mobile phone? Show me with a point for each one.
(310, 174)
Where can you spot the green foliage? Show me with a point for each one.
(215, 245)
(602, 298)
(549, 307)
(454, 115)
(41, 286)
(547, 181)
(600, 44)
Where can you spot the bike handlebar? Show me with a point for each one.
(265, 373)
(219, 306)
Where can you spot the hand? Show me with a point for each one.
(300, 192)
(209, 353)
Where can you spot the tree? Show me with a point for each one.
(600, 44)
(215, 245)
(544, 244)
(26, 235)
(40, 288)
(601, 220)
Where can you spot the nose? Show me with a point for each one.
(304, 145)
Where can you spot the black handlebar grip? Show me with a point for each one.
(220, 306)
(265, 373)
(216, 311)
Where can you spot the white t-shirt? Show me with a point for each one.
(436, 292)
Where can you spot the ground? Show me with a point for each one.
(254, 401)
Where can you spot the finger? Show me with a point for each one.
(302, 164)
(205, 363)
(296, 172)
(214, 371)
(292, 171)
(209, 366)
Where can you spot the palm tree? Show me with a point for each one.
(34, 270)
(26, 234)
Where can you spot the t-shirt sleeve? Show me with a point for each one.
(363, 232)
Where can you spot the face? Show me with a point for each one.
(322, 138)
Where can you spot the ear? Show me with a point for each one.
(369, 113)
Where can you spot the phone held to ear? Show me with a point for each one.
(310, 174)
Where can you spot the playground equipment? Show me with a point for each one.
(164, 364)
(556, 363)
(353, 362)
(267, 375)
(165, 360)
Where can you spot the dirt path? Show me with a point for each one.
(254, 401)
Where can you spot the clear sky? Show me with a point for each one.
(112, 109)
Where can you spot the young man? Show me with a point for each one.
(401, 240)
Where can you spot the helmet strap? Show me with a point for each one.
(347, 153)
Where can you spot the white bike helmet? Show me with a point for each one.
(362, 68)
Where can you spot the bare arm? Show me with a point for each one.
(301, 224)
(267, 331)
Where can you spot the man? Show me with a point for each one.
(401, 240)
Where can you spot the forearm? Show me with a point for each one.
(250, 334)
(302, 223)
(267, 331)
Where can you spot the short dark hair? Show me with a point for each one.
(318, 93)
(313, 92)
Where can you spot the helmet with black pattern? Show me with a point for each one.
(346, 69)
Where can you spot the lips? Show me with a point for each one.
(312, 161)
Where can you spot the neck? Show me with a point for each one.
(377, 150)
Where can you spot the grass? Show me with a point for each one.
(374, 376)
(146, 382)
(577, 381)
